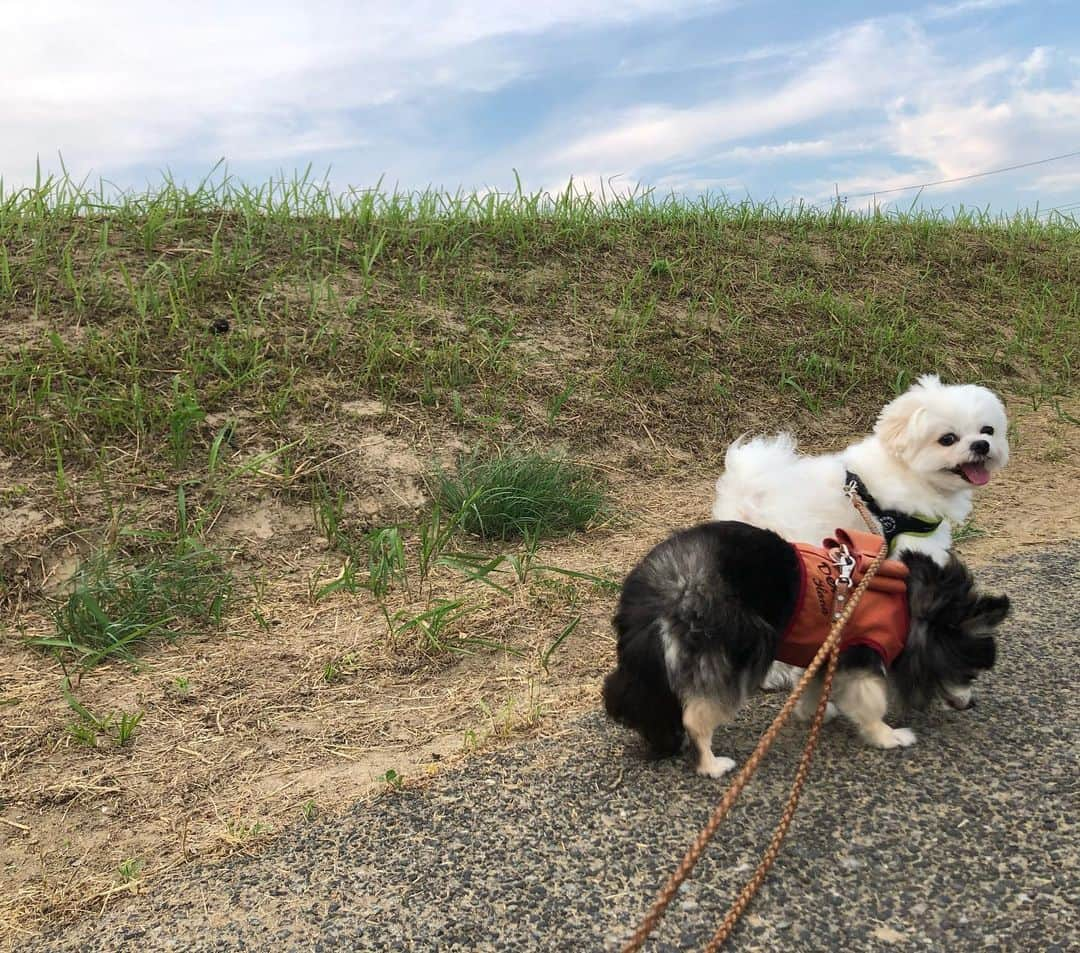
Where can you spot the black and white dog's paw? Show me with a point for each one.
(715, 767)
(882, 736)
(781, 677)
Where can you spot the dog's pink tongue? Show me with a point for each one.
(976, 473)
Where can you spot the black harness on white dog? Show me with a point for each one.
(892, 522)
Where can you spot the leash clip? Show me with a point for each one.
(845, 563)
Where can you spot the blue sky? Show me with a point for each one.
(776, 99)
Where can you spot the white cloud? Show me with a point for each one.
(961, 8)
(681, 184)
(1036, 64)
(890, 90)
(118, 82)
(244, 138)
(792, 149)
(957, 127)
(660, 61)
(1054, 183)
(857, 68)
(960, 131)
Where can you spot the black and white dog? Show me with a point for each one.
(703, 616)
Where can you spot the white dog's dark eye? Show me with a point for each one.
(948, 439)
(989, 431)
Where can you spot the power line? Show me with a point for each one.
(1060, 208)
(964, 178)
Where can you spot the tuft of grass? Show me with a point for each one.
(239, 831)
(337, 668)
(567, 631)
(117, 602)
(119, 726)
(392, 780)
(328, 506)
(434, 627)
(518, 494)
(967, 531)
(347, 580)
(84, 733)
(184, 417)
(557, 402)
(129, 869)
(386, 560)
(515, 714)
(124, 726)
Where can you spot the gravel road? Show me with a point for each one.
(967, 841)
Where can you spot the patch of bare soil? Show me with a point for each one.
(1034, 501)
(299, 708)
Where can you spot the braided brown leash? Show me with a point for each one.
(828, 652)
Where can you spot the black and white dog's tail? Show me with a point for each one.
(637, 694)
(699, 616)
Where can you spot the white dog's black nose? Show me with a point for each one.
(981, 447)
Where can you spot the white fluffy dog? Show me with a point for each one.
(930, 447)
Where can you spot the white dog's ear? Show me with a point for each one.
(928, 381)
(900, 422)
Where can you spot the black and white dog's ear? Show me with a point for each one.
(988, 612)
(972, 647)
(934, 589)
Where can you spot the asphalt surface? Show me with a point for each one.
(966, 841)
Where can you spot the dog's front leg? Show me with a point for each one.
(701, 717)
(862, 697)
(806, 706)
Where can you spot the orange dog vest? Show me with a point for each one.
(881, 618)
